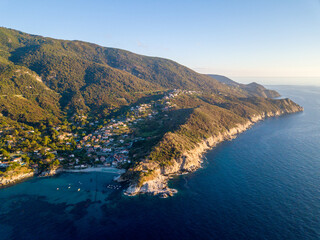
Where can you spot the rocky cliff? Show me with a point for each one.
(51, 172)
(156, 183)
(23, 173)
(13, 178)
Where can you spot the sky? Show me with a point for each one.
(263, 39)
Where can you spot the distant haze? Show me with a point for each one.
(309, 81)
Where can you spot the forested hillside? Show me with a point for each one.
(254, 89)
(89, 77)
(72, 104)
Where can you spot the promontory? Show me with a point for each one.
(73, 105)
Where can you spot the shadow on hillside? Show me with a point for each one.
(19, 54)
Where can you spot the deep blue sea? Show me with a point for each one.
(265, 184)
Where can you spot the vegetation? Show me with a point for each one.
(54, 93)
(207, 116)
(88, 76)
(253, 89)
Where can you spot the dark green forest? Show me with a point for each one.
(48, 84)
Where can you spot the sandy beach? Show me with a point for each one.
(97, 169)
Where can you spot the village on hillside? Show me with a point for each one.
(83, 143)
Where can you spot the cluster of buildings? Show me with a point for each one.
(38, 152)
(108, 145)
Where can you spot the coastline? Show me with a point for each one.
(193, 159)
(190, 161)
(4, 182)
(96, 169)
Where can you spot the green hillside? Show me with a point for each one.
(24, 97)
(64, 99)
(254, 89)
(99, 77)
(204, 116)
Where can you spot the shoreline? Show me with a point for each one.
(96, 169)
(29, 176)
(16, 180)
(192, 160)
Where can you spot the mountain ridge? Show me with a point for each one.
(73, 98)
(63, 66)
(253, 88)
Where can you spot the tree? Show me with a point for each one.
(49, 123)
(34, 144)
(42, 151)
(26, 159)
(46, 140)
(53, 146)
(5, 153)
(56, 162)
(12, 166)
(26, 143)
(42, 127)
(50, 156)
(16, 133)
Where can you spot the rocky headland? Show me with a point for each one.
(15, 177)
(21, 174)
(51, 172)
(191, 160)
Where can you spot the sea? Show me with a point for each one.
(265, 184)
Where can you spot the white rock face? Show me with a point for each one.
(7, 181)
(51, 172)
(191, 160)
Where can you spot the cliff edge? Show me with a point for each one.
(181, 151)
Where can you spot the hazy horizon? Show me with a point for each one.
(255, 39)
(299, 81)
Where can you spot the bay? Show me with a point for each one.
(265, 184)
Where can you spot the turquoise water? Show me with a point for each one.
(265, 184)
